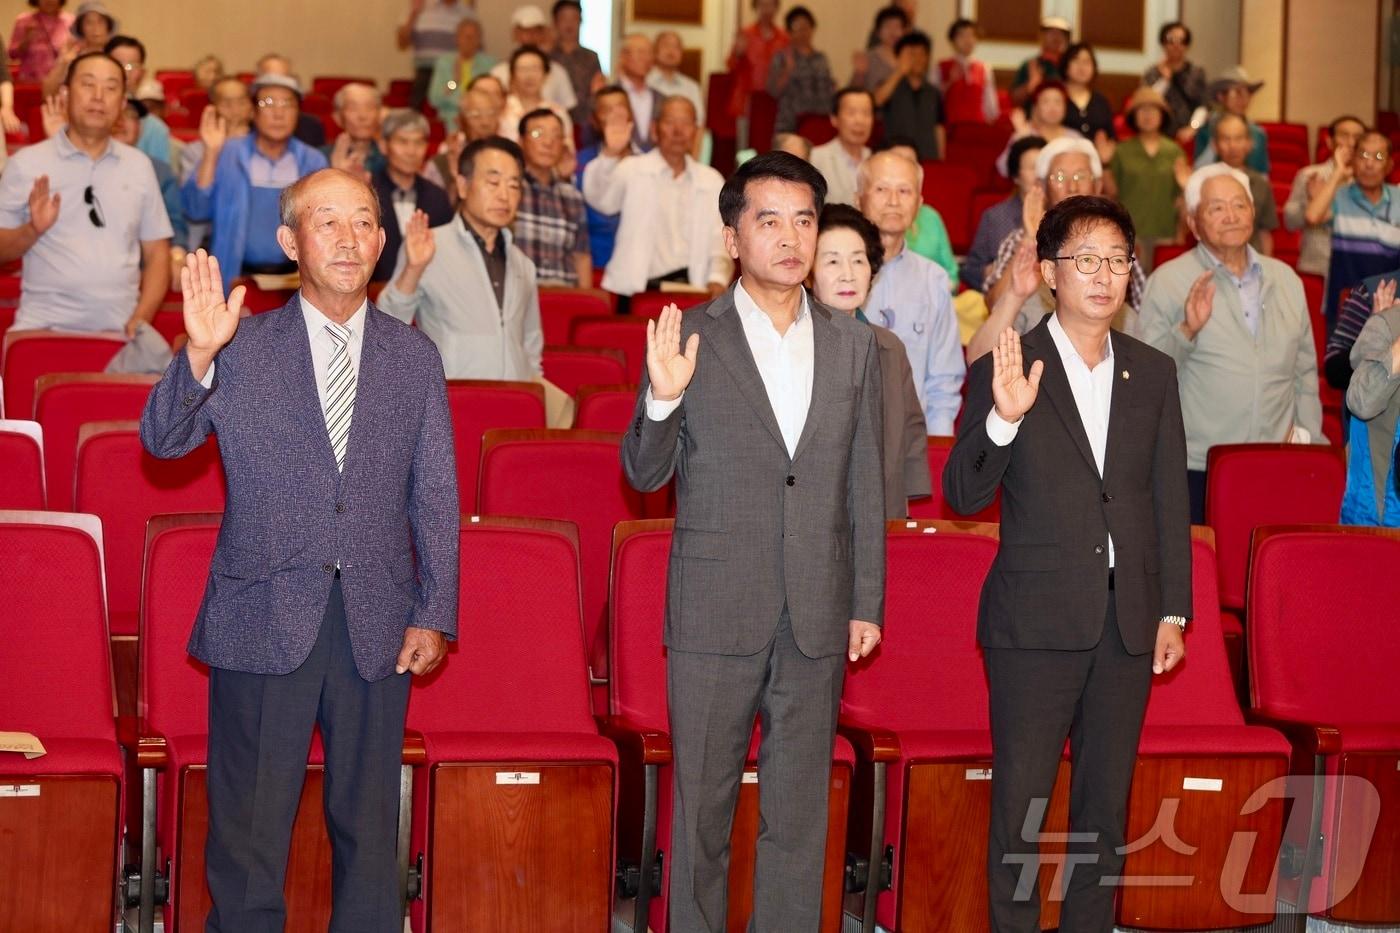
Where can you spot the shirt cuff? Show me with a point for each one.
(208, 380)
(1001, 431)
(660, 411)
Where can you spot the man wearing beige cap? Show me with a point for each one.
(530, 27)
(1231, 93)
(1045, 64)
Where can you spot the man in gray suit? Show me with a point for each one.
(332, 424)
(777, 564)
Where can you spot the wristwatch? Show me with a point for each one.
(1178, 621)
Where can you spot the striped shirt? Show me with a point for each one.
(550, 228)
(435, 30)
(1365, 239)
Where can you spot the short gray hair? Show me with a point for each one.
(339, 100)
(1205, 173)
(287, 203)
(863, 174)
(1064, 146)
(401, 119)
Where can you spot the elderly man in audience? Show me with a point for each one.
(455, 70)
(128, 130)
(357, 113)
(1373, 398)
(232, 103)
(550, 226)
(666, 76)
(131, 55)
(1232, 93)
(401, 189)
(465, 284)
(610, 104)
(239, 181)
(1064, 168)
(580, 64)
(911, 296)
(1003, 219)
(634, 66)
(85, 213)
(1315, 244)
(1365, 215)
(430, 32)
(478, 118)
(853, 116)
(1237, 325)
(310, 129)
(530, 28)
(670, 228)
(1232, 146)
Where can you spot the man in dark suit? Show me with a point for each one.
(400, 187)
(1091, 589)
(336, 567)
(772, 429)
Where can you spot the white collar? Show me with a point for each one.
(1066, 347)
(748, 308)
(316, 319)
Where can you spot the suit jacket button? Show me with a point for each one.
(189, 400)
(1107, 497)
(328, 568)
(792, 480)
(1098, 549)
(340, 506)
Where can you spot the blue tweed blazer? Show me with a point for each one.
(292, 516)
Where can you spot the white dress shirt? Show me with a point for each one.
(1093, 394)
(784, 361)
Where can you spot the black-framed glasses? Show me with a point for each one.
(1088, 263)
(94, 207)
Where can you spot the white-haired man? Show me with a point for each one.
(1016, 295)
(1237, 325)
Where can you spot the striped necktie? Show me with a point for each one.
(340, 392)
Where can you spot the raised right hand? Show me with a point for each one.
(1342, 164)
(668, 368)
(210, 320)
(1200, 300)
(54, 112)
(213, 130)
(43, 207)
(1032, 211)
(1025, 270)
(1384, 296)
(419, 244)
(1013, 389)
(617, 136)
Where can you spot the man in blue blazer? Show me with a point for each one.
(336, 567)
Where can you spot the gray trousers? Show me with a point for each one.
(713, 701)
(259, 732)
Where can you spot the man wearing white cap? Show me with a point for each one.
(530, 27)
(1045, 64)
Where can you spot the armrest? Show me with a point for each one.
(637, 743)
(149, 749)
(1306, 737)
(871, 742)
(415, 751)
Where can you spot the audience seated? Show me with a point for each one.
(1000, 221)
(1180, 82)
(580, 64)
(239, 181)
(357, 113)
(86, 214)
(465, 284)
(1315, 244)
(913, 106)
(911, 294)
(530, 28)
(454, 71)
(1231, 93)
(1045, 64)
(799, 76)
(969, 88)
(430, 32)
(853, 116)
(401, 188)
(550, 226)
(529, 70)
(1148, 171)
(634, 66)
(1237, 325)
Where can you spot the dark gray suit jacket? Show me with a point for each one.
(291, 514)
(1049, 585)
(754, 528)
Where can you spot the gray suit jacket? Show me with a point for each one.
(905, 431)
(291, 515)
(755, 528)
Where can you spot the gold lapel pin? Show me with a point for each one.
(1125, 374)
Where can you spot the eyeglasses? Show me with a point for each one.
(1088, 263)
(1079, 178)
(94, 207)
(538, 133)
(275, 103)
(1377, 156)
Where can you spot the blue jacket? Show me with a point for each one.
(225, 204)
(292, 516)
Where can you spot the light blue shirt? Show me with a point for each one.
(79, 276)
(910, 297)
(1250, 285)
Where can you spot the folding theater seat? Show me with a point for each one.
(1199, 767)
(29, 354)
(605, 408)
(651, 304)
(559, 307)
(573, 476)
(639, 724)
(917, 714)
(571, 367)
(1323, 653)
(22, 465)
(63, 402)
(478, 405)
(934, 506)
(60, 813)
(948, 188)
(513, 813)
(625, 332)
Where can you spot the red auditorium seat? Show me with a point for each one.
(477, 406)
(650, 304)
(513, 814)
(29, 354)
(60, 813)
(976, 146)
(559, 307)
(625, 332)
(1199, 764)
(948, 188)
(258, 299)
(572, 476)
(763, 115)
(916, 712)
(639, 723)
(1322, 660)
(22, 465)
(1313, 291)
(816, 128)
(1166, 252)
(64, 402)
(605, 408)
(934, 506)
(193, 100)
(175, 81)
(572, 367)
(398, 95)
